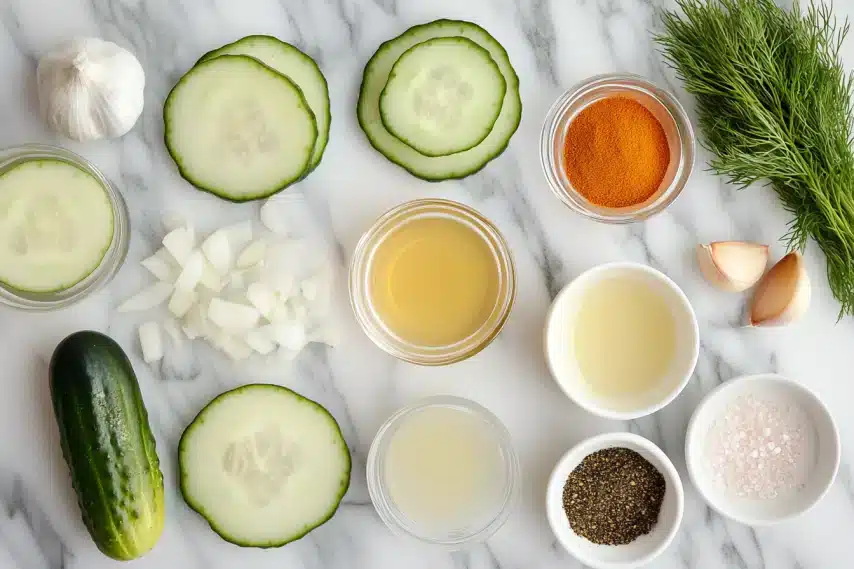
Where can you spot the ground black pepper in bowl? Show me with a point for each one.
(613, 496)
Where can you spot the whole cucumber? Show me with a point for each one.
(107, 443)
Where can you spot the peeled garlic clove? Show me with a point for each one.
(783, 294)
(732, 266)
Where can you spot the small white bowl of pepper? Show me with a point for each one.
(615, 501)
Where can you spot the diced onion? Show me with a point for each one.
(147, 298)
(151, 342)
(180, 242)
(232, 316)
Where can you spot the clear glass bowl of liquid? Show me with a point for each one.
(112, 258)
(443, 471)
(432, 282)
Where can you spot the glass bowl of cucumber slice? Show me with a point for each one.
(64, 228)
(661, 103)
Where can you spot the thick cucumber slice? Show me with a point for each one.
(438, 168)
(263, 465)
(56, 225)
(299, 68)
(238, 129)
(443, 96)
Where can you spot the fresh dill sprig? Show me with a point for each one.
(775, 105)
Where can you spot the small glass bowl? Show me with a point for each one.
(663, 105)
(113, 258)
(397, 522)
(360, 289)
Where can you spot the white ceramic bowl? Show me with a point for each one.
(645, 548)
(562, 363)
(824, 459)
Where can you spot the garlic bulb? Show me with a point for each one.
(90, 89)
(732, 266)
(783, 294)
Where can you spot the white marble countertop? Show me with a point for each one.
(553, 44)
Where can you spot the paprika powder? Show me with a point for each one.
(616, 153)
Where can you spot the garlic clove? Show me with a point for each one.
(783, 294)
(732, 266)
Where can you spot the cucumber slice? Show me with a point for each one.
(299, 68)
(443, 96)
(437, 168)
(56, 225)
(238, 129)
(263, 465)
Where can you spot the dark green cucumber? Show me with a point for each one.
(107, 443)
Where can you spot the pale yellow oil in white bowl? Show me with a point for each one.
(622, 340)
(624, 337)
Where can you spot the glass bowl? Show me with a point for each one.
(113, 258)
(662, 104)
(370, 319)
(452, 538)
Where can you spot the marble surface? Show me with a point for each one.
(553, 44)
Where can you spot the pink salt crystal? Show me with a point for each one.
(773, 449)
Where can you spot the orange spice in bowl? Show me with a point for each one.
(616, 153)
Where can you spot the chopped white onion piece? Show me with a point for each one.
(239, 234)
(236, 279)
(232, 316)
(217, 249)
(161, 265)
(308, 288)
(147, 298)
(236, 348)
(180, 243)
(262, 339)
(290, 335)
(196, 321)
(192, 272)
(181, 302)
(271, 219)
(262, 298)
(210, 279)
(280, 313)
(174, 332)
(151, 342)
(252, 255)
(298, 308)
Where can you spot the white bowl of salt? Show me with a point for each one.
(762, 449)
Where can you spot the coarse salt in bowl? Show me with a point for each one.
(646, 547)
(726, 432)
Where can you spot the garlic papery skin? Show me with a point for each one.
(732, 266)
(782, 295)
(90, 89)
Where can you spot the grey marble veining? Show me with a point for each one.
(553, 44)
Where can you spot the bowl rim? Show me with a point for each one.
(589, 406)
(692, 431)
(561, 471)
(668, 101)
